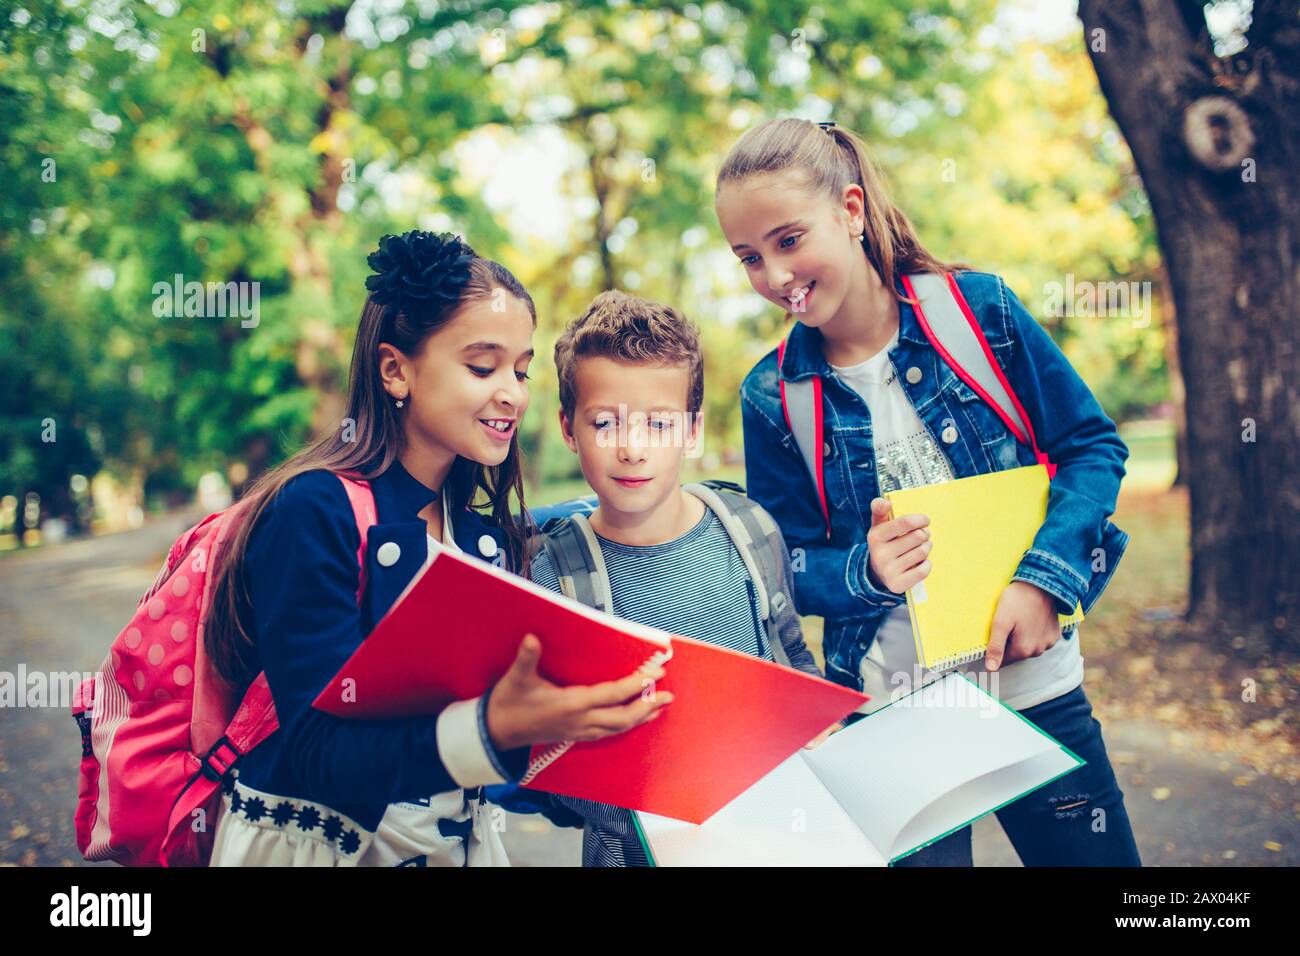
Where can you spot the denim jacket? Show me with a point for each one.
(1075, 550)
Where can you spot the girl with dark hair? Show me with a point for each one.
(438, 386)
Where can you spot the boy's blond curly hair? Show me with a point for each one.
(626, 328)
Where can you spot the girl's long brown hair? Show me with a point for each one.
(827, 160)
(374, 440)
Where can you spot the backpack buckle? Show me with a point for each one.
(216, 764)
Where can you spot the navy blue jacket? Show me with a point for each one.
(302, 574)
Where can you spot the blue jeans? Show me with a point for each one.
(1059, 824)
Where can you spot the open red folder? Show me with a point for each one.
(456, 629)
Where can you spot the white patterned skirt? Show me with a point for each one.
(446, 829)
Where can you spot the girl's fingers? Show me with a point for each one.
(914, 577)
(888, 551)
(910, 559)
(525, 663)
(1000, 632)
(880, 508)
(901, 526)
(913, 539)
(998, 649)
(604, 721)
(626, 716)
(618, 691)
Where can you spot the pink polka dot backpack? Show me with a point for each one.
(160, 732)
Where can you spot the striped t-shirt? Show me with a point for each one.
(695, 585)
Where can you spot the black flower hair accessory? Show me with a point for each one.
(419, 270)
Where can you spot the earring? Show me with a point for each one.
(401, 401)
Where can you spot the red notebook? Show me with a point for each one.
(733, 717)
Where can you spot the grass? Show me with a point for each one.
(1152, 462)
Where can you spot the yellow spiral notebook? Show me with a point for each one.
(980, 528)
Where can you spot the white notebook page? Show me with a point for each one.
(890, 767)
(992, 790)
(786, 819)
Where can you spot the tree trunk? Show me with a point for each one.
(1215, 141)
(604, 221)
(1177, 391)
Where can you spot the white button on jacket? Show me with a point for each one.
(388, 554)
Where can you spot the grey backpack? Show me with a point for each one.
(575, 551)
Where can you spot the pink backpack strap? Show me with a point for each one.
(801, 403)
(254, 721)
(947, 320)
(362, 499)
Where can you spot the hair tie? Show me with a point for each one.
(419, 270)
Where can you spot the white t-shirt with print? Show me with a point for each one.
(907, 457)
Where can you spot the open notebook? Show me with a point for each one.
(456, 629)
(894, 782)
(981, 527)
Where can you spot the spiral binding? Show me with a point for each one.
(958, 659)
(558, 750)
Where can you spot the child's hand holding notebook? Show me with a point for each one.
(980, 528)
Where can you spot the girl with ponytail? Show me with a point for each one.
(806, 213)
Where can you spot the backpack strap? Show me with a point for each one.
(362, 499)
(801, 402)
(757, 540)
(255, 719)
(952, 329)
(573, 549)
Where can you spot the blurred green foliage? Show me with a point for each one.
(270, 142)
